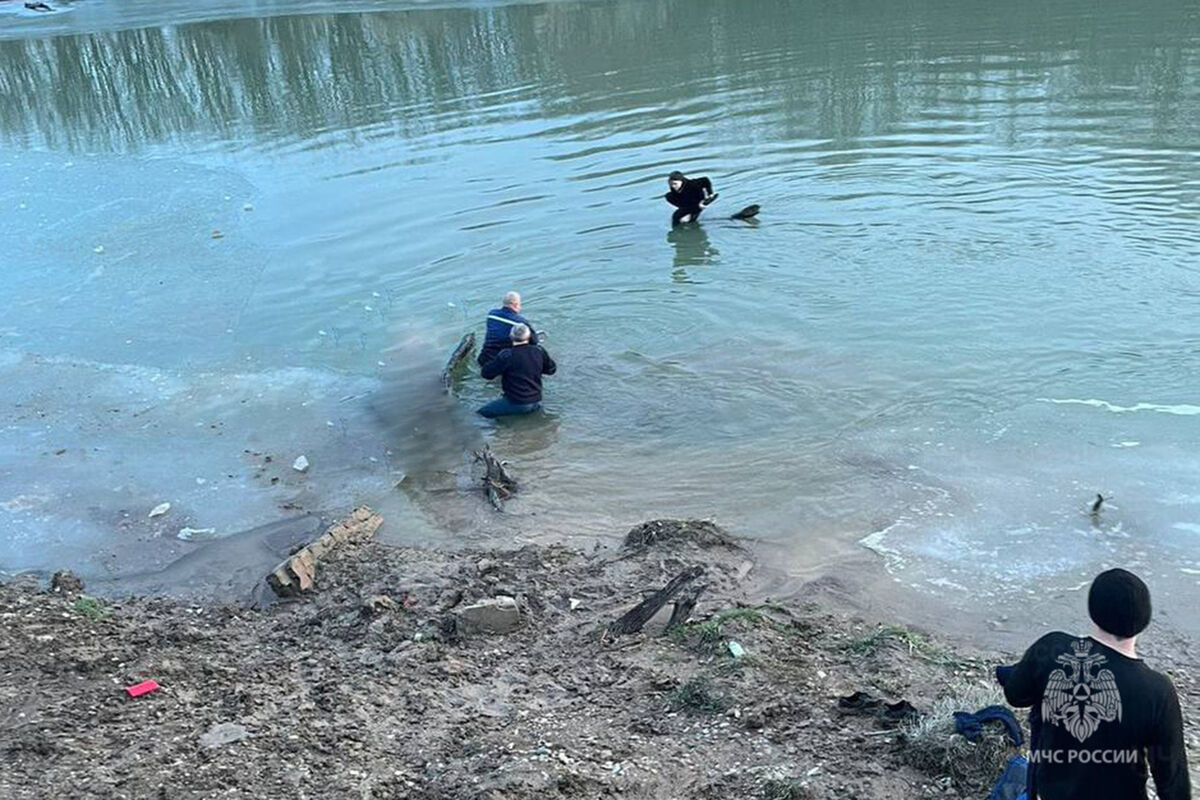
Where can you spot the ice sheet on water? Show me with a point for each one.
(89, 447)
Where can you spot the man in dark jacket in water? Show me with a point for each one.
(689, 196)
(1100, 717)
(500, 322)
(520, 369)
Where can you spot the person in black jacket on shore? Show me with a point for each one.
(520, 369)
(689, 196)
(1100, 719)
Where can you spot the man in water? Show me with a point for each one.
(500, 323)
(1100, 716)
(689, 196)
(520, 369)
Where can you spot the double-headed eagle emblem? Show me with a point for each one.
(1076, 698)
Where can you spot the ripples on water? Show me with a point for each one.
(967, 211)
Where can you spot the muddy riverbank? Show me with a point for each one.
(374, 686)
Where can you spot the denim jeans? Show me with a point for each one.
(502, 407)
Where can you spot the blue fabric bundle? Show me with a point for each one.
(971, 725)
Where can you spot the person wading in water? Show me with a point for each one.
(500, 322)
(520, 369)
(690, 196)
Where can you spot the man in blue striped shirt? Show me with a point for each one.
(500, 322)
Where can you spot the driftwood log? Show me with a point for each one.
(297, 573)
(456, 360)
(498, 485)
(684, 605)
(636, 617)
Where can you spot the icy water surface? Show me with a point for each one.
(243, 230)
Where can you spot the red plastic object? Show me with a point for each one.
(145, 687)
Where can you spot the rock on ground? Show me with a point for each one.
(497, 615)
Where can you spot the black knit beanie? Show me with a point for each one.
(676, 176)
(1119, 603)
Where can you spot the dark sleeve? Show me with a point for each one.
(673, 199)
(1168, 756)
(1022, 682)
(705, 184)
(548, 365)
(497, 365)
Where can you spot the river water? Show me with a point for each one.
(972, 301)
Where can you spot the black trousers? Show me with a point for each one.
(680, 213)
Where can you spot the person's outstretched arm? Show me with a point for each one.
(548, 365)
(497, 365)
(1168, 756)
(1021, 682)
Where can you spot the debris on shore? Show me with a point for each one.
(297, 573)
(423, 673)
